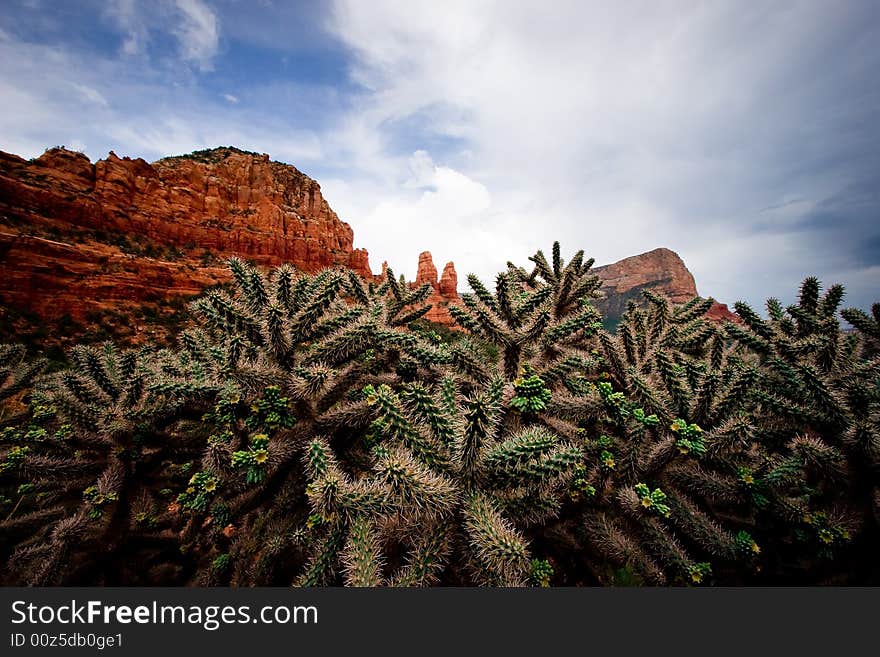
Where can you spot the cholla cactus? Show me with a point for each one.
(742, 437)
(463, 467)
(17, 374)
(868, 326)
(531, 319)
(104, 440)
(817, 412)
(307, 430)
(435, 482)
(294, 352)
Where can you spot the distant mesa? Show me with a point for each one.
(660, 270)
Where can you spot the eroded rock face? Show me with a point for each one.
(426, 272)
(125, 229)
(444, 291)
(448, 286)
(719, 312)
(660, 270)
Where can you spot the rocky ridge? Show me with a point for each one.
(79, 239)
(84, 242)
(660, 270)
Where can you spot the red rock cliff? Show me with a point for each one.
(77, 237)
(448, 286)
(660, 270)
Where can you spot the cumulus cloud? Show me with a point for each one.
(619, 128)
(435, 206)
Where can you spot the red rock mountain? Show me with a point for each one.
(660, 270)
(79, 238)
(123, 238)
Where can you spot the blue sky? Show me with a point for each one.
(743, 135)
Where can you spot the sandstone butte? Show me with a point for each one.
(79, 238)
(660, 270)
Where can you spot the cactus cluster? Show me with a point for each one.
(307, 429)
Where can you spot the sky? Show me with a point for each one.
(742, 135)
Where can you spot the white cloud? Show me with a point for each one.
(90, 94)
(612, 127)
(435, 206)
(198, 32)
(126, 15)
(230, 98)
(47, 90)
(193, 23)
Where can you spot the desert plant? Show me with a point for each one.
(444, 489)
(295, 352)
(17, 374)
(106, 436)
(310, 428)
